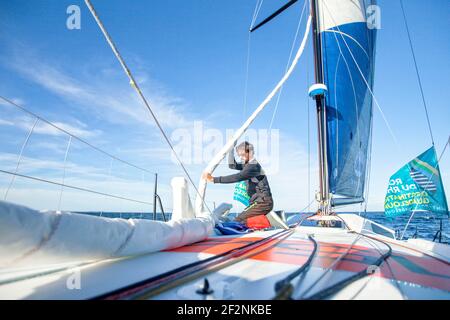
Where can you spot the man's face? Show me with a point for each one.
(245, 156)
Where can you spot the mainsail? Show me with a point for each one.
(348, 48)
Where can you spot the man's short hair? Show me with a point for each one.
(245, 146)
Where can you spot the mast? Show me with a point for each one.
(321, 111)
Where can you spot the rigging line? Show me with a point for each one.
(337, 108)
(287, 64)
(284, 287)
(189, 270)
(73, 187)
(288, 288)
(273, 15)
(64, 172)
(369, 164)
(309, 205)
(134, 84)
(20, 158)
(417, 72)
(72, 135)
(300, 211)
(426, 189)
(396, 281)
(246, 75)
(345, 282)
(255, 14)
(309, 133)
(445, 147)
(351, 38)
(109, 176)
(335, 262)
(365, 81)
(335, 288)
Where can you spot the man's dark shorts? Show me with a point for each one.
(261, 206)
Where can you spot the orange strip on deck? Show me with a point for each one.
(424, 270)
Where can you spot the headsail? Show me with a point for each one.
(417, 186)
(348, 47)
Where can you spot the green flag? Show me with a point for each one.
(240, 193)
(416, 186)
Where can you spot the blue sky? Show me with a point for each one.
(190, 58)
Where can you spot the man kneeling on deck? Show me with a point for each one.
(261, 202)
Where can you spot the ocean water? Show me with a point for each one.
(423, 225)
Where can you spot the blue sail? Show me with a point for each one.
(348, 49)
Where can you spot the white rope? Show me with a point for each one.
(287, 65)
(64, 173)
(247, 71)
(227, 147)
(20, 158)
(255, 15)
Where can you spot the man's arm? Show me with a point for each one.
(232, 164)
(250, 171)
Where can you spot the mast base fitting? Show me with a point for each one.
(318, 89)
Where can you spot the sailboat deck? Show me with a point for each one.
(407, 273)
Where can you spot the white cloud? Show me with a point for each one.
(44, 128)
(41, 195)
(6, 123)
(18, 101)
(102, 94)
(25, 123)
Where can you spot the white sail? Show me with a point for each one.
(30, 237)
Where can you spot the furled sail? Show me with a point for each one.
(348, 47)
(34, 238)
